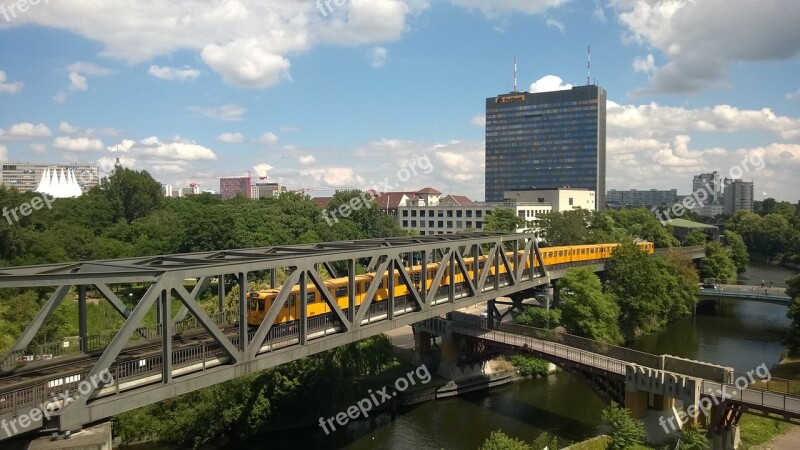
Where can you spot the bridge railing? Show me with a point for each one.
(752, 395)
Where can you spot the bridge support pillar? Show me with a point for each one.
(95, 438)
(636, 402)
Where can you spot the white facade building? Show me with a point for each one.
(560, 200)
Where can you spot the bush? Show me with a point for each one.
(625, 431)
(530, 366)
(500, 441)
(539, 318)
(693, 438)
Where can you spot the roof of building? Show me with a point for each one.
(429, 191)
(59, 184)
(458, 200)
(683, 223)
(322, 202)
(563, 188)
(391, 200)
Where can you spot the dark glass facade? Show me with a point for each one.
(546, 140)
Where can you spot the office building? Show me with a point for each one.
(711, 184)
(547, 140)
(28, 177)
(648, 198)
(267, 190)
(230, 187)
(560, 200)
(738, 196)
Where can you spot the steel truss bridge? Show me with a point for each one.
(150, 364)
(192, 349)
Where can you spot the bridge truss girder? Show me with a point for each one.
(249, 351)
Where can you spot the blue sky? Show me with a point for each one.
(346, 93)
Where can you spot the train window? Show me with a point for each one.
(251, 305)
(341, 292)
(311, 297)
(292, 300)
(561, 253)
(549, 254)
(261, 305)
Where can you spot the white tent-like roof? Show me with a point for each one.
(59, 184)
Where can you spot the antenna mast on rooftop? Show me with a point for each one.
(515, 73)
(589, 66)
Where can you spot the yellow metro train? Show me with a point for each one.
(259, 302)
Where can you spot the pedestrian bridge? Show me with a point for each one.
(53, 386)
(753, 293)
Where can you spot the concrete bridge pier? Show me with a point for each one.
(97, 437)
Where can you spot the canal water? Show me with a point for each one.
(739, 334)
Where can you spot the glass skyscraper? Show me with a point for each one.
(546, 140)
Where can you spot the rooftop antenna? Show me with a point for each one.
(589, 66)
(515, 73)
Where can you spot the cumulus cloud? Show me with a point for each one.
(549, 83)
(378, 56)
(7, 87)
(3, 153)
(479, 120)
(23, 131)
(645, 65)
(65, 127)
(268, 138)
(226, 113)
(174, 73)
(307, 160)
(231, 138)
(78, 145)
(78, 82)
(262, 170)
(696, 39)
(176, 149)
(338, 177)
(654, 118)
(247, 42)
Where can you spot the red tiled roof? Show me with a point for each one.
(429, 190)
(460, 200)
(391, 200)
(322, 202)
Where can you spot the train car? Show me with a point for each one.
(259, 302)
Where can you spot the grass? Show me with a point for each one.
(756, 430)
(596, 443)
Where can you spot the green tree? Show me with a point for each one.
(717, 264)
(625, 431)
(693, 438)
(498, 440)
(543, 441)
(503, 219)
(793, 286)
(131, 194)
(792, 339)
(738, 249)
(586, 311)
(539, 317)
(566, 228)
(695, 237)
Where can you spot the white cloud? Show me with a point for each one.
(173, 150)
(24, 130)
(65, 127)
(479, 120)
(226, 113)
(307, 160)
(501, 7)
(262, 170)
(702, 39)
(599, 13)
(549, 83)
(268, 138)
(378, 56)
(174, 73)
(77, 79)
(338, 177)
(231, 138)
(78, 145)
(555, 24)
(655, 119)
(4, 153)
(247, 42)
(124, 146)
(793, 95)
(9, 87)
(645, 65)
